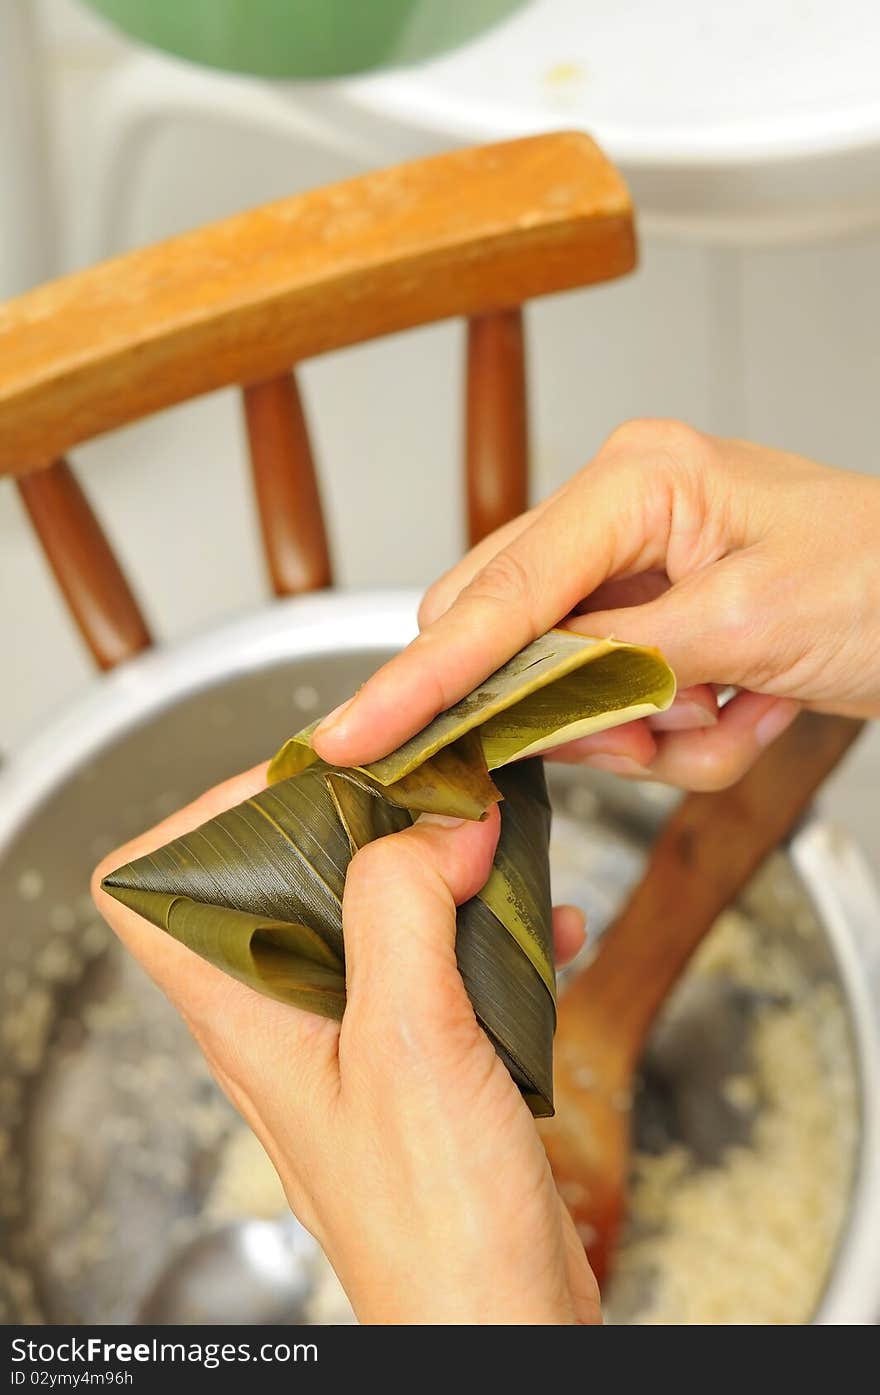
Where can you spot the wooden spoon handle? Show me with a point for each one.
(705, 855)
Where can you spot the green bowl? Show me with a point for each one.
(304, 38)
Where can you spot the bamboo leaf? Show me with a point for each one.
(518, 889)
(284, 960)
(455, 781)
(257, 890)
(561, 686)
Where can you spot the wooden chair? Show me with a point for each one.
(475, 233)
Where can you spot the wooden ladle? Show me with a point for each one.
(704, 856)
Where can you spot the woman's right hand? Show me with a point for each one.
(747, 566)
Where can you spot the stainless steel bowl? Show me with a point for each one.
(110, 1127)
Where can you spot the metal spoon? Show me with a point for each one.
(246, 1272)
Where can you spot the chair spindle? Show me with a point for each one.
(496, 444)
(91, 579)
(286, 485)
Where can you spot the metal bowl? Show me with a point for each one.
(111, 1129)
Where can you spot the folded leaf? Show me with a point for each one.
(258, 889)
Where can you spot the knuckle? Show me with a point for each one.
(409, 1034)
(504, 578)
(720, 769)
(660, 448)
(650, 434)
(703, 771)
(369, 863)
(421, 658)
(395, 1033)
(732, 607)
(385, 863)
(428, 1020)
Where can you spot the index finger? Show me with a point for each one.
(592, 530)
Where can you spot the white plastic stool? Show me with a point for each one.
(735, 126)
(745, 123)
(148, 93)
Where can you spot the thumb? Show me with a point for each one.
(401, 893)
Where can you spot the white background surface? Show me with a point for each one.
(782, 345)
(685, 79)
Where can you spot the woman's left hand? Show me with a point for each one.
(401, 1141)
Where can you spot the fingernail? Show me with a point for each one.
(618, 765)
(332, 720)
(441, 821)
(775, 721)
(684, 716)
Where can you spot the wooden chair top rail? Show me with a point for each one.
(241, 300)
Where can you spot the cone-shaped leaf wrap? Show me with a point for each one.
(258, 890)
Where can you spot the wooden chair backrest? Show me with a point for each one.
(475, 233)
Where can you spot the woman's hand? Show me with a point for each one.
(746, 566)
(402, 1143)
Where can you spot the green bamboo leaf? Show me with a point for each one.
(257, 890)
(362, 814)
(455, 782)
(518, 889)
(562, 686)
(282, 854)
(504, 933)
(504, 944)
(281, 959)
